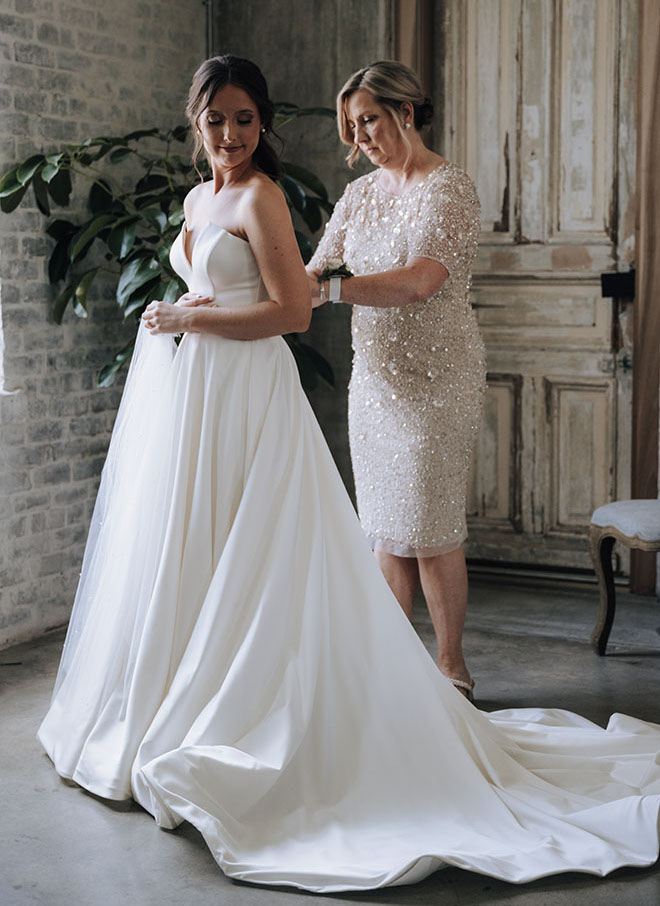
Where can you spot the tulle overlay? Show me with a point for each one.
(235, 658)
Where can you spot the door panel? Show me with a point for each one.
(537, 97)
(494, 498)
(580, 445)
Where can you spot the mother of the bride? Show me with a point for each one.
(408, 231)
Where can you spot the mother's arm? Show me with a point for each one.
(267, 224)
(419, 278)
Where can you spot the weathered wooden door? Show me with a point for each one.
(538, 107)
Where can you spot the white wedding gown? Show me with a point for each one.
(235, 658)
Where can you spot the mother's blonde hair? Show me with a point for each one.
(392, 84)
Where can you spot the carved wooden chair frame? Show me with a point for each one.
(601, 543)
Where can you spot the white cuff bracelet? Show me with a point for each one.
(334, 289)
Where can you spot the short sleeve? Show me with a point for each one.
(331, 245)
(445, 220)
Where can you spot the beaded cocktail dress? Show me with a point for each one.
(418, 380)
(235, 658)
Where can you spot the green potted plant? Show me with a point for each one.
(135, 220)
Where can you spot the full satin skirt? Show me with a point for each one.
(235, 659)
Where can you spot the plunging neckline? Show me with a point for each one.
(184, 230)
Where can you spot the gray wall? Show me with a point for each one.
(306, 52)
(68, 69)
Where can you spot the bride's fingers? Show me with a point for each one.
(151, 308)
(150, 314)
(188, 300)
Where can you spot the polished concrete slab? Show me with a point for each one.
(60, 846)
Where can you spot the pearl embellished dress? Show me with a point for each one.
(418, 380)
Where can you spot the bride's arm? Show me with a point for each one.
(267, 224)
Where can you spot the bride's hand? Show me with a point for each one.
(188, 300)
(164, 317)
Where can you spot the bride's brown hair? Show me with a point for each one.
(213, 75)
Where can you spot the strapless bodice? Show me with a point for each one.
(222, 266)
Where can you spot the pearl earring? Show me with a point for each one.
(263, 128)
(406, 125)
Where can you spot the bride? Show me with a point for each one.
(235, 658)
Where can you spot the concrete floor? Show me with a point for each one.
(63, 847)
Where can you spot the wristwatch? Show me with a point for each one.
(334, 291)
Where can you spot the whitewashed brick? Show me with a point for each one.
(68, 70)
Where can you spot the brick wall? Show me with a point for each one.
(68, 70)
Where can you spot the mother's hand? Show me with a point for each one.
(313, 275)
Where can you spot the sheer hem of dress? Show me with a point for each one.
(399, 549)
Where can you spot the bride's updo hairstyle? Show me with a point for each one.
(213, 75)
(391, 83)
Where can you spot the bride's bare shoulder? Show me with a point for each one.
(263, 194)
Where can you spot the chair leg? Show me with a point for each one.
(601, 555)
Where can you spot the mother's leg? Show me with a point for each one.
(445, 584)
(402, 576)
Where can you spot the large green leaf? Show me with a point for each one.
(294, 192)
(121, 238)
(327, 206)
(184, 166)
(41, 194)
(150, 182)
(58, 264)
(312, 214)
(10, 202)
(311, 364)
(62, 300)
(83, 239)
(120, 154)
(134, 275)
(176, 216)
(60, 228)
(108, 373)
(156, 219)
(100, 198)
(102, 149)
(180, 133)
(28, 168)
(306, 178)
(52, 166)
(82, 289)
(60, 187)
(172, 291)
(10, 183)
(304, 245)
(318, 362)
(162, 199)
(308, 375)
(143, 296)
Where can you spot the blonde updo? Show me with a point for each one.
(392, 84)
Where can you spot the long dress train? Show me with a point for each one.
(235, 658)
